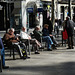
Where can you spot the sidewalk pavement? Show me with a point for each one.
(2, 33)
(56, 62)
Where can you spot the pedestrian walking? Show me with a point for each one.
(56, 27)
(50, 27)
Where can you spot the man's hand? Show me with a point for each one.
(29, 37)
(50, 35)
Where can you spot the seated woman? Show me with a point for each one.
(9, 38)
(34, 42)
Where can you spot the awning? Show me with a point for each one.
(16, 11)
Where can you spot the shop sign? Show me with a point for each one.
(30, 10)
(40, 9)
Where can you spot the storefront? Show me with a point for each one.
(2, 13)
(29, 13)
(5, 13)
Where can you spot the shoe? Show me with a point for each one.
(37, 53)
(72, 47)
(27, 57)
(69, 48)
(41, 47)
(58, 45)
(49, 50)
(54, 48)
(23, 57)
(5, 67)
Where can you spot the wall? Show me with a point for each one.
(24, 6)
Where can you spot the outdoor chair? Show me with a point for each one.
(11, 48)
(6, 47)
(27, 45)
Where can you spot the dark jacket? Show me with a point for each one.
(45, 32)
(50, 28)
(37, 34)
(70, 27)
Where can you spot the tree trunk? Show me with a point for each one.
(52, 17)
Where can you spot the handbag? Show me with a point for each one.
(65, 35)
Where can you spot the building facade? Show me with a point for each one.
(63, 8)
(29, 13)
(6, 9)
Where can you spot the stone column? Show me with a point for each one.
(24, 13)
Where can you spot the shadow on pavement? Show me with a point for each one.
(67, 68)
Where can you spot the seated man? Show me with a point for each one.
(46, 33)
(34, 42)
(2, 54)
(38, 36)
(37, 33)
(10, 40)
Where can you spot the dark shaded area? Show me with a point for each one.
(66, 68)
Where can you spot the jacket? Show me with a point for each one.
(37, 34)
(70, 27)
(45, 32)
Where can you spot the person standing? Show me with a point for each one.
(56, 27)
(3, 54)
(69, 26)
(60, 23)
(74, 18)
(50, 27)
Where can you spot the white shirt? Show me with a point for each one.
(56, 24)
(24, 35)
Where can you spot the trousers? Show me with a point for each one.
(2, 52)
(48, 40)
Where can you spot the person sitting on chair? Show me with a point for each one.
(9, 38)
(34, 42)
(46, 33)
(38, 35)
